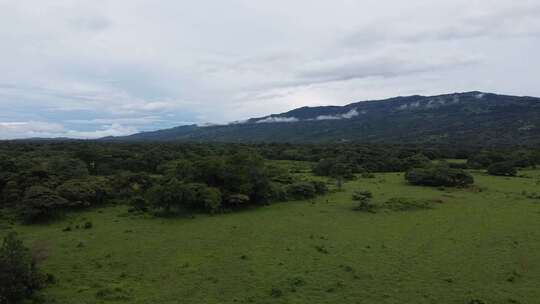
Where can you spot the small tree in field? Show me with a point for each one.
(19, 276)
(364, 199)
(439, 175)
(502, 169)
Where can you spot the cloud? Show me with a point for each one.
(397, 63)
(276, 119)
(458, 21)
(110, 130)
(89, 64)
(39, 129)
(18, 129)
(348, 115)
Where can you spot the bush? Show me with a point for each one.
(237, 200)
(367, 175)
(458, 165)
(301, 190)
(502, 169)
(320, 187)
(19, 276)
(364, 198)
(278, 192)
(436, 176)
(139, 203)
(416, 161)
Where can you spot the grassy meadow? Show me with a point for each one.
(478, 245)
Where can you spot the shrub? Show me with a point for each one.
(436, 176)
(458, 165)
(364, 198)
(278, 192)
(320, 187)
(416, 161)
(19, 276)
(139, 203)
(367, 175)
(502, 169)
(237, 200)
(301, 190)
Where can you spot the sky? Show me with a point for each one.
(94, 68)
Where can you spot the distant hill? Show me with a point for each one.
(461, 118)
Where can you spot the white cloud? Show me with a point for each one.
(348, 115)
(110, 130)
(39, 129)
(274, 119)
(12, 130)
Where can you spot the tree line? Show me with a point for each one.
(40, 180)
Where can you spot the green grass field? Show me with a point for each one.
(481, 244)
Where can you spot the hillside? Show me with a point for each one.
(464, 118)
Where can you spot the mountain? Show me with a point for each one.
(474, 118)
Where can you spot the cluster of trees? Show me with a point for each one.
(346, 167)
(40, 185)
(42, 179)
(504, 163)
(439, 175)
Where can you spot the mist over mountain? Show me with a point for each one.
(474, 118)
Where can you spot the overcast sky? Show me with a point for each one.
(92, 68)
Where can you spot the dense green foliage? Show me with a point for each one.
(41, 180)
(502, 169)
(19, 275)
(439, 175)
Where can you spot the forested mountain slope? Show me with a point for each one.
(466, 118)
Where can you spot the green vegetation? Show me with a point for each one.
(502, 169)
(460, 119)
(230, 224)
(472, 245)
(19, 275)
(439, 175)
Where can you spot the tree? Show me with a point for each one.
(68, 168)
(84, 192)
(19, 276)
(204, 198)
(439, 175)
(301, 190)
(502, 169)
(180, 169)
(40, 203)
(416, 161)
(175, 196)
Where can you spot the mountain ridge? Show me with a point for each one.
(471, 117)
